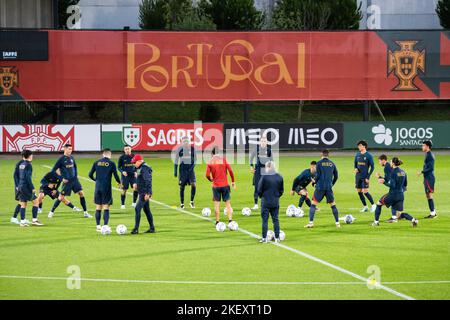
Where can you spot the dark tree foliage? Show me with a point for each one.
(316, 15)
(443, 11)
(233, 14)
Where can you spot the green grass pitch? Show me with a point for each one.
(188, 259)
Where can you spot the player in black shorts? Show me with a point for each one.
(428, 177)
(26, 191)
(16, 193)
(101, 172)
(69, 173)
(128, 173)
(397, 186)
(184, 169)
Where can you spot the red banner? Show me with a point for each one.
(159, 66)
(153, 137)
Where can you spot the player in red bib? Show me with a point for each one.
(216, 172)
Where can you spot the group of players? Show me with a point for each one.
(62, 180)
(323, 174)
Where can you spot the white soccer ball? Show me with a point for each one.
(121, 229)
(282, 235)
(246, 212)
(291, 210)
(221, 227)
(233, 226)
(105, 230)
(349, 219)
(299, 213)
(206, 212)
(270, 235)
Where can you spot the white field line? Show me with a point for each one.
(244, 283)
(298, 252)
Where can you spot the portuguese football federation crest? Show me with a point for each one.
(132, 136)
(9, 77)
(405, 63)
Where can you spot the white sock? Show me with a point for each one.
(394, 217)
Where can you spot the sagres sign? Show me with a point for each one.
(398, 135)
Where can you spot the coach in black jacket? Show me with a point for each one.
(144, 188)
(270, 189)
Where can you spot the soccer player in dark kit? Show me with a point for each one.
(103, 169)
(128, 172)
(326, 177)
(144, 188)
(397, 186)
(49, 187)
(302, 181)
(16, 195)
(364, 167)
(428, 177)
(382, 159)
(262, 154)
(270, 189)
(184, 164)
(68, 168)
(26, 191)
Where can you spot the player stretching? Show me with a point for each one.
(26, 191)
(364, 167)
(397, 186)
(382, 159)
(128, 172)
(103, 169)
(326, 177)
(428, 177)
(302, 181)
(144, 188)
(49, 187)
(263, 154)
(68, 168)
(16, 185)
(216, 172)
(185, 160)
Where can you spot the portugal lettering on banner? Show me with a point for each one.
(227, 66)
(218, 64)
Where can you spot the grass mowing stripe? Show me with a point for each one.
(274, 283)
(298, 252)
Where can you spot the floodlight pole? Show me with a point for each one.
(125, 112)
(246, 112)
(366, 110)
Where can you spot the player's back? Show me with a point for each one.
(398, 181)
(25, 171)
(218, 168)
(326, 174)
(16, 173)
(104, 169)
(50, 178)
